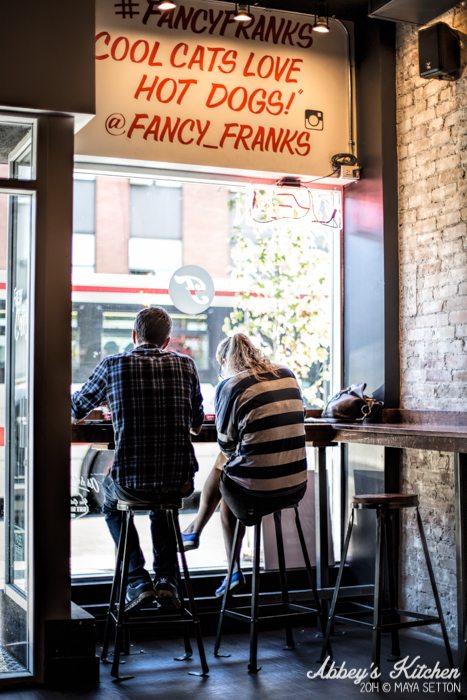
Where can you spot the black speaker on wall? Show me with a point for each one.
(439, 53)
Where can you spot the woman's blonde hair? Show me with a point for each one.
(237, 354)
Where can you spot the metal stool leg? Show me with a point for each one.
(393, 597)
(309, 571)
(227, 590)
(379, 572)
(113, 594)
(253, 665)
(126, 642)
(434, 588)
(191, 598)
(186, 636)
(327, 649)
(290, 644)
(121, 600)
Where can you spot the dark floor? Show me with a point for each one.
(283, 675)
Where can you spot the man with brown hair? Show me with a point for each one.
(155, 401)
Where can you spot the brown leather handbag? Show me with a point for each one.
(351, 405)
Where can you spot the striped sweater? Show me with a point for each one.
(260, 429)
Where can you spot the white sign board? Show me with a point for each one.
(192, 86)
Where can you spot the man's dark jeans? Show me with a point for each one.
(164, 545)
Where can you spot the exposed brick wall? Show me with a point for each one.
(432, 160)
(430, 474)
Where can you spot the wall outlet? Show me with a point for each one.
(350, 172)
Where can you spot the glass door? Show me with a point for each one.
(17, 206)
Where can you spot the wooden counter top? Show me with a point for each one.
(101, 432)
(405, 435)
(444, 431)
(428, 430)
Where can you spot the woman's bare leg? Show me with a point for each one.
(209, 499)
(229, 522)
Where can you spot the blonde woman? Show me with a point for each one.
(261, 434)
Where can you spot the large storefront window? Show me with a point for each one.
(271, 252)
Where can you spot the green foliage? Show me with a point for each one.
(284, 270)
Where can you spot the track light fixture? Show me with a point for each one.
(242, 12)
(164, 5)
(321, 23)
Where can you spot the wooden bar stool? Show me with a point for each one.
(186, 615)
(385, 619)
(285, 610)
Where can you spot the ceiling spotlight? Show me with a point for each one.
(166, 5)
(242, 12)
(321, 23)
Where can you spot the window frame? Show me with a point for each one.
(130, 170)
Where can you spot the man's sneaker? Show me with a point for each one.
(190, 540)
(138, 593)
(236, 582)
(166, 592)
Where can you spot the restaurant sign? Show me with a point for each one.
(192, 86)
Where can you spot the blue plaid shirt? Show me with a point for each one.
(155, 398)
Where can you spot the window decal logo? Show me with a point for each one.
(191, 289)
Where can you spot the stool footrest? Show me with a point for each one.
(419, 619)
(276, 612)
(170, 617)
(347, 591)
